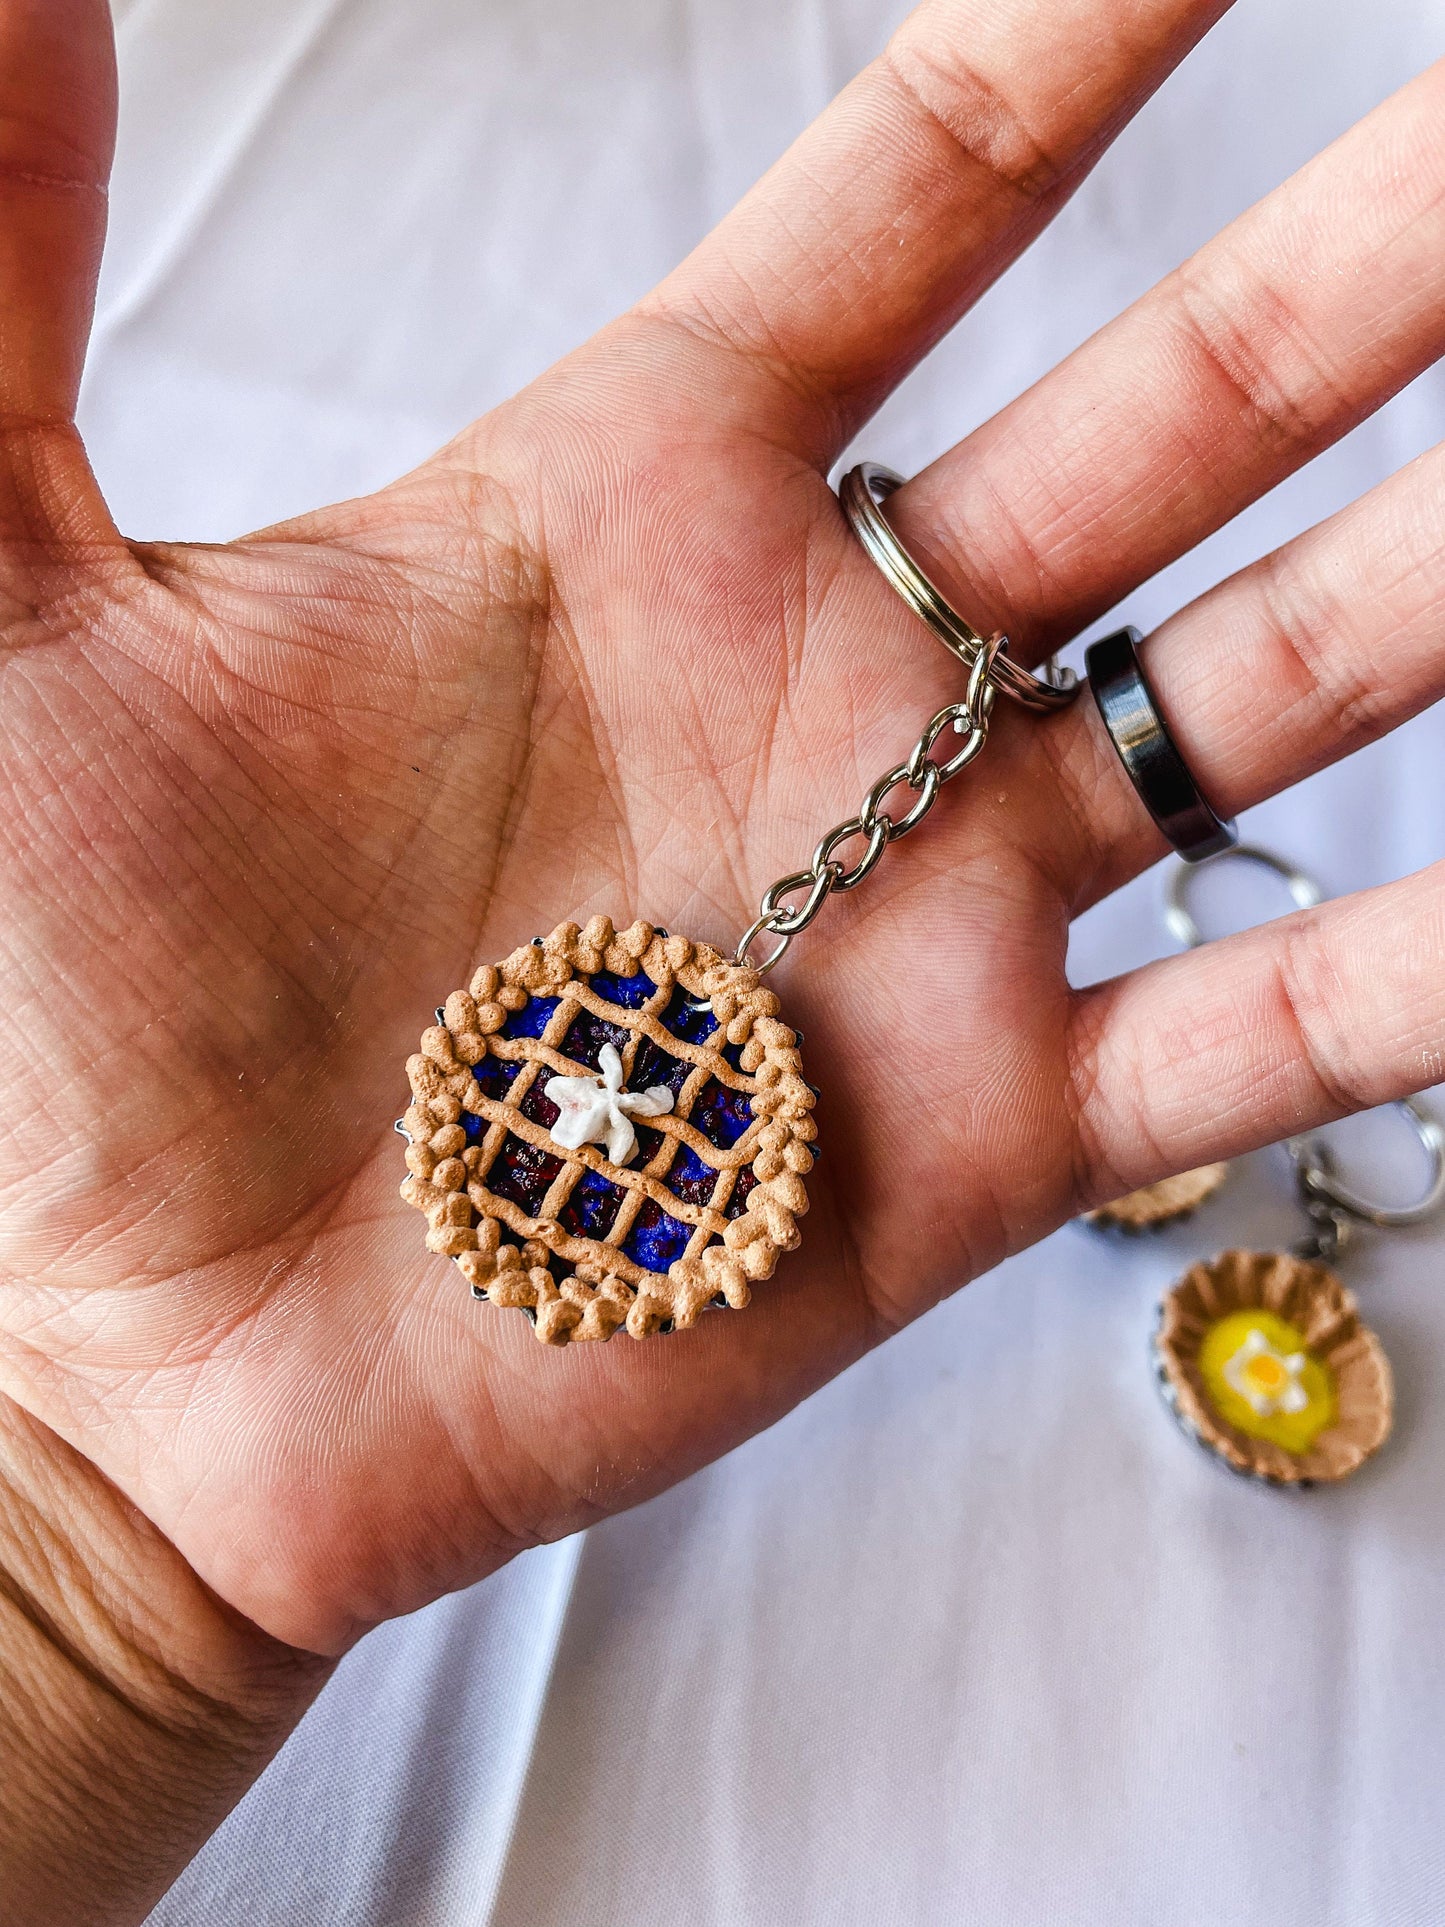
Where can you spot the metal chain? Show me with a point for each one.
(922, 774)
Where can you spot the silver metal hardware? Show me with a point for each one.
(1334, 1206)
(1180, 876)
(921, 774)
(862, 490)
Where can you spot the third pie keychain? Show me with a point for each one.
(611, 1126)
(1262, 1355)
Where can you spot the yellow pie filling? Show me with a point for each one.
(1261, 1379)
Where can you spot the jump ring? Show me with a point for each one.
(755, 929)
(979, 694)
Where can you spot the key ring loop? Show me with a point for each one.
(1309, 1154)
(989, 670)
(1180, 919)
(1314, 1165)
(861, 492)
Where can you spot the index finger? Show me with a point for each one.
(912, 193)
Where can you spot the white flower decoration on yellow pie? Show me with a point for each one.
(1268, 1379)
(596, 1110)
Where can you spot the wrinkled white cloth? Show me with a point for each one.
(975, 1636)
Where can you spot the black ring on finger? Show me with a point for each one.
(1149, 753)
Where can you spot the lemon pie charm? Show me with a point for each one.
(1263, 1359)
(1262, 1355)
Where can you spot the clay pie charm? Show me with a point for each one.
(1264, 1360)
(1159, 1204)
(610, 1128)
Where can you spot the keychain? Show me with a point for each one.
(611, 1126)
(1262, 1355)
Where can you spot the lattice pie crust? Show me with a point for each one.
(578, 1286)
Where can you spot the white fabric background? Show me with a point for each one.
(974, 1637)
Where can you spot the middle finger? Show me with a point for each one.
(1300, 319)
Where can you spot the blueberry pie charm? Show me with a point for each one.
(610, 1128)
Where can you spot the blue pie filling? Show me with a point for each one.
(656, 1240)
(524, 1173)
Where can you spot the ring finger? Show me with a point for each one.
(1330, 642)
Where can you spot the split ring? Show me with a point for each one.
(862, 491)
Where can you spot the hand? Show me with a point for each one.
(615, 650)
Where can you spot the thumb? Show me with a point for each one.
(57, 131)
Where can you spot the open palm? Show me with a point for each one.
(615, 651)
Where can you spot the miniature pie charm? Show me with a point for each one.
(610, 1128)
(1159, 1204)
(1264, 1360)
